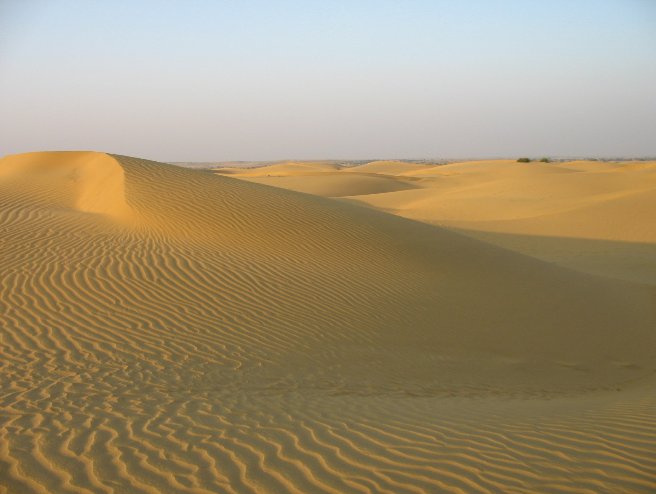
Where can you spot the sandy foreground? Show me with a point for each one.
(476, 327)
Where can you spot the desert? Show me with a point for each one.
(345, 247)
(167, 329)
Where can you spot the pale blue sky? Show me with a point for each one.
(257, 80)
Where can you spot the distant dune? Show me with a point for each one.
(286, 168)
(333, 184)
(592, 216)
(177, 330)
(388, 167)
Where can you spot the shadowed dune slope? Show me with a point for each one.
(389, 167)
(282, 169)
(338, 184)
(322, 179)
(171, 330)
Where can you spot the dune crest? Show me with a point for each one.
(86, 181)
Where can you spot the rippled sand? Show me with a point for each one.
(174, 330)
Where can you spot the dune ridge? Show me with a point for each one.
(545, 210)
(86, 181)
(171, 330)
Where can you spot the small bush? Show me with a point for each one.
(545, 160)
(523, 160)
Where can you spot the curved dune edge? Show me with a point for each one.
(389, 167)
(86, 181)
(282, 169)
(334, 184)
(238, 338)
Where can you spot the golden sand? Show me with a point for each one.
(174, 330)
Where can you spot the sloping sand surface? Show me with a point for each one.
(524, 207)
(84, 181)
(281, 169)
(172, 330)
(583, 165)
(325, 179)
(335, 184)
(388, 167)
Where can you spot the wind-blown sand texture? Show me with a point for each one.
(175, 330)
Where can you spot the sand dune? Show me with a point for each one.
(500, 193)
(282, 169)
(388, 167)
(335, 184)
(583, 165)
(325, 179)
(527, 207)
(88, 182)
(173, 330)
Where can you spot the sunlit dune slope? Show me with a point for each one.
(172, 330)
(529, 207)
(491, 192)
(84, 181)
(584, 165)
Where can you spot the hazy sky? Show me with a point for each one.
(257, 80)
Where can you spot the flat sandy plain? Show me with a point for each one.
(475, 327)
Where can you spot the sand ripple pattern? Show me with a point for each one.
(149, 355)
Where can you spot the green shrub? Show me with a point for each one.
(523, 160)
(545, 160)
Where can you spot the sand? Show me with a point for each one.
(591, 216)
(175, 330)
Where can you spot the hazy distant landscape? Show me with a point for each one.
(208, 165)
